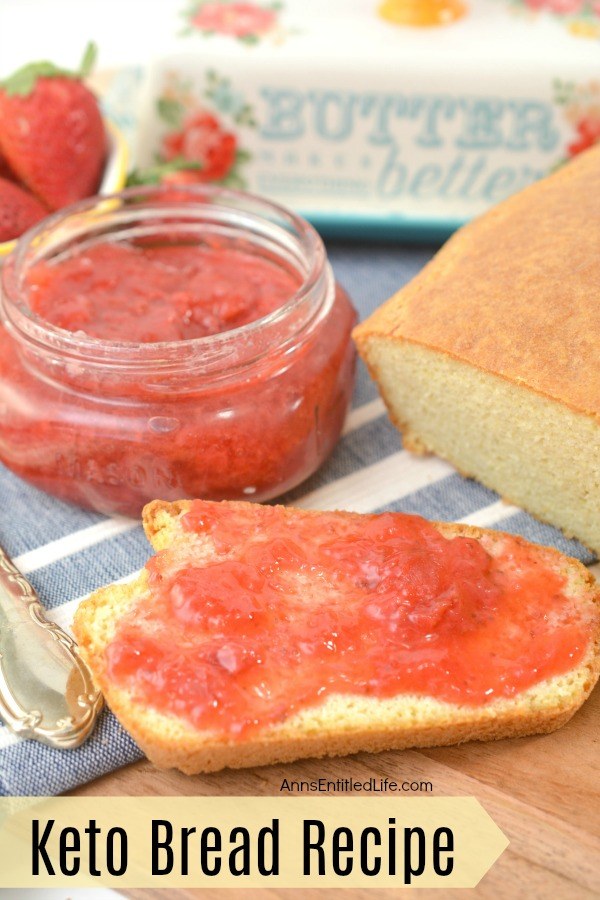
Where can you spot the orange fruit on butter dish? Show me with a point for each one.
(422, 13)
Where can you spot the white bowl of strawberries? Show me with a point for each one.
(55, 146)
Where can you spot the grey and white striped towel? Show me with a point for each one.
(68, 552)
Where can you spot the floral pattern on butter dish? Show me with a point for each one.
(581, 17)
(580, 104)
(248, 22)
(205, 131)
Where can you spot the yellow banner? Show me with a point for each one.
(285, 842)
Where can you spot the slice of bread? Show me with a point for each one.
(490, 357)
(342, 723)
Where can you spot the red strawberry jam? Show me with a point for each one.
(144, 294)
(294, 608)
(190, 358)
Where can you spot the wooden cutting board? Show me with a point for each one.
(543, 792)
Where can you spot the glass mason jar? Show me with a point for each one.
(243, 414)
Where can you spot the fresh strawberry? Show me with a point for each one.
(51, 131)
(19, 210)
(5, 170)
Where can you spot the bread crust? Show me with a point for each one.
(343, 724)
(512, 295)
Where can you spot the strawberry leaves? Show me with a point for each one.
(22, 82)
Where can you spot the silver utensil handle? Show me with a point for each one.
(46, 690)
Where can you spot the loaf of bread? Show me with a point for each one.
(490, 357)
(261, 634)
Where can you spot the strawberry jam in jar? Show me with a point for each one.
(171, 342)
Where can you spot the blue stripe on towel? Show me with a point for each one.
(31, 519)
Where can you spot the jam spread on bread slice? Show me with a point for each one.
(262, 612)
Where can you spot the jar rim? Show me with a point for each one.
(198, 197)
